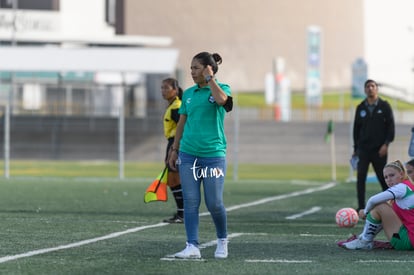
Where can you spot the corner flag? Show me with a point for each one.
(330, 137)
(157, 190)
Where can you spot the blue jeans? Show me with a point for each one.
(209, 171)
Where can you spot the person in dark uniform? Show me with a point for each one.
(172, 93)
(373, 131)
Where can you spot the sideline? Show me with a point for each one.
(279, 261)
(136, 229)
(205, 245)
(281, 197)
(308, 212)
(77, 244)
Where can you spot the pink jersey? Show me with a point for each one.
(404, 205)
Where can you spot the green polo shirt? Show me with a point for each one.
(203, 134)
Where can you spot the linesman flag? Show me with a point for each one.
(157, 190)
(329, 131)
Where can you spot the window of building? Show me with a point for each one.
(30, 4)
(110, 12)
(114, 14)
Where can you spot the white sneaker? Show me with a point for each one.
(190, 252)
(359, 243)
(221, 250)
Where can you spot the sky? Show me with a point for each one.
(389, 42)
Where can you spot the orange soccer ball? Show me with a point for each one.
(346, 217)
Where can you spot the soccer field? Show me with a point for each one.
(56, 225)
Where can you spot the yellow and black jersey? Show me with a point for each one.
(171, 117)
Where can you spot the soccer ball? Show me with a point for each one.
(346, 217)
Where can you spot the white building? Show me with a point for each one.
(389, 45)
(70, 25)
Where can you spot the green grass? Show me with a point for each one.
(70, 169)
(331, 100)
(73, 169)
(69, 205)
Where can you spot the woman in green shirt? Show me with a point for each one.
(199, 151)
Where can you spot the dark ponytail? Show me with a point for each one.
(206, 59)
(174, 84)
(180, 93)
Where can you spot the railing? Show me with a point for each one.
(267, 114)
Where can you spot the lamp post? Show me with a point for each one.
(410, 29)
(15, 4)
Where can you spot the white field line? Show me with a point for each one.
(318, 235)
(279, 261)
(385, 261)
(308, 212)
(77, 244)
(212, 243)
(170, 258)
(205, 245)
(281, 197)
(136, 229)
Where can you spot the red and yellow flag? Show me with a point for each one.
(157, 190)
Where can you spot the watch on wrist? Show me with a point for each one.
(208, 78)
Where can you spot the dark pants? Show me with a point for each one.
(378, 164)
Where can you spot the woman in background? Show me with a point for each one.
(409, 166)
(172, 93)
(391, 210)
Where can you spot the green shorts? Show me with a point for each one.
(400, 240)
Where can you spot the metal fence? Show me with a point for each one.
(90, 125)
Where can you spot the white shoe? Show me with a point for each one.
(190, 252)
(221, 250)
(359, 243)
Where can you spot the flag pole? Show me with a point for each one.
(330, 137)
